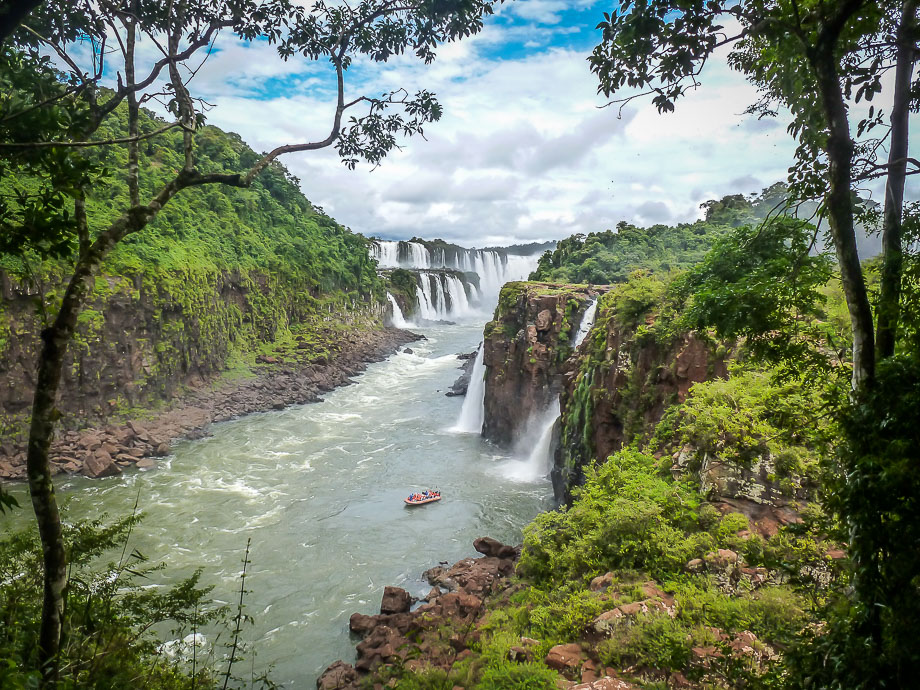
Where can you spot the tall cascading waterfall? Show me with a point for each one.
(397, 320)
(472, 413)
(540, 460)
(441, 295)
(587, 321)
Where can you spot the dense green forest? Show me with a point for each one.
(609, 256)
(269, 228)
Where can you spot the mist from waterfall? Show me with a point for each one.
(397, 320)
(472, 413)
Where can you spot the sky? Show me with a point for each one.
(524, 151)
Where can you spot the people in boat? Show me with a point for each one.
(423, 496)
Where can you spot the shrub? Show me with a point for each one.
(510, 676)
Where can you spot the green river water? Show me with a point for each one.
(319, 490)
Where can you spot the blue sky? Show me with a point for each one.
(524, 152)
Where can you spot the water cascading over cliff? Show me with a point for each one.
(442, 294)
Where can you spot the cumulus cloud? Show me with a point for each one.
(524, 152)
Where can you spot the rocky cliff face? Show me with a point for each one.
(618, 385)
(140, 342)
(526, 345)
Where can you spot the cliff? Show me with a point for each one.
(221, 277)
(525, 347)
(619, 384)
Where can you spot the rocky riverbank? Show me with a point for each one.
(273, 383)
(446, 631)
(437, 634)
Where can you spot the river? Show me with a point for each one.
(319, 490)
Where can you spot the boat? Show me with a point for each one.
(423, 498)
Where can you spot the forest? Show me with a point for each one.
(757, 526)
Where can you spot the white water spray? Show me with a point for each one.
(587, 321)
(397, 320)
(472, 413)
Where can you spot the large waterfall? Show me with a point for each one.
(442, 295)
(441, 298)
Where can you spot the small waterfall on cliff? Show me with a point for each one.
(541, 457)
(397, 320)
(539, 462)
(473, 410)
(587, 321)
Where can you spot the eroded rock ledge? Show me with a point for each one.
(416, 638)
(526, 345)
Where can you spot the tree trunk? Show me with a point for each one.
(892, 256)
(839, 205)
(55, 339)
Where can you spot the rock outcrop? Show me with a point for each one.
(436, 634)
(526, 344)
(460, 386)
(617, 387)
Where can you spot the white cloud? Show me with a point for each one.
(523, 151)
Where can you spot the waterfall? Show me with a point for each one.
(443, 296)
(473, 411)
(386, 253)
(540, 460)
(587, 321)
(397, 320)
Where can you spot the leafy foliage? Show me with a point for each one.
(610, 256)
(750, 416)
(625, 517)
(111, 616)
(764, 284)
(874, 497)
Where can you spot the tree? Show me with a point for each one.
(815, 58)
(49, 118)
(818, 58)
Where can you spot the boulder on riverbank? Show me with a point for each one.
(399, 636)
